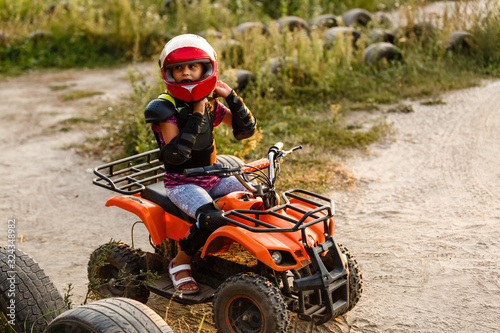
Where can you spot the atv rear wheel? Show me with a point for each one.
(114, 270)
(249, 303)
(355, 278)
(168, 249)
(230, 160)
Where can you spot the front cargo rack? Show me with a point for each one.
(319, 213)
(130, 175)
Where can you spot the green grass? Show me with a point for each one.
(4, 324)
(433, 102)
(57, 87)
(71, 96)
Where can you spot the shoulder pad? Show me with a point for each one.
(159, 110)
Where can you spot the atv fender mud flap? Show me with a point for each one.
(325, 294)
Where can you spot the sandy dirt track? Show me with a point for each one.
(423, 221)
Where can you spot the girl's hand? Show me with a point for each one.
(199, 107)
(222, 89)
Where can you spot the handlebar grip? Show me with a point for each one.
(194, 172)
(205, 171)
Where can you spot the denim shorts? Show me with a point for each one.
(190, 197)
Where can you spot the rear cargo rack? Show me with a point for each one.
(320, 213)
(130, 175)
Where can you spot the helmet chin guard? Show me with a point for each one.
(186, 49)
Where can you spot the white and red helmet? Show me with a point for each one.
(185, 49)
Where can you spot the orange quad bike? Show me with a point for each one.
(274, 255)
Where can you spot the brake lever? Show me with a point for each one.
(291, 150)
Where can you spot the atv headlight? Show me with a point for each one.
(277, 257)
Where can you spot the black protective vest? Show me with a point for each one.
(203, 152)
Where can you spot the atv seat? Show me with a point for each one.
(156, 193)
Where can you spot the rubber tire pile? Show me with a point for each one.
(40, 308)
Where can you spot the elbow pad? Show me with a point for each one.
(178, 150)
(243, 122)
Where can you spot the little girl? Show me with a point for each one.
(183, 120)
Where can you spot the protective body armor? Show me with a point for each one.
(203, 151)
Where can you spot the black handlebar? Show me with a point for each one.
(259, 184)
(217, 169)
(221, 170)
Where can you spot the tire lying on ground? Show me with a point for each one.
(229, 48)
(383, 50)
(210, 33)
(237, 78)
(381, 35)
(111, 315)
(331, 35)
(382, 18)
(292, 23)
(28, 298)
(248, 28)
(289, 67)
(324, 21)
(420, 30)
(356, 16)
(458, 41)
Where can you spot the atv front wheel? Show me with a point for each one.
(355, 278)
(114, 270)
(249, 303)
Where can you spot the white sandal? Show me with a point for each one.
(179, 283)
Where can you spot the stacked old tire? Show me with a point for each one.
(28, 298)
(110, 315)
(31, 303)
(382, 40)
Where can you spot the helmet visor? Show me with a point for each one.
(207, 66)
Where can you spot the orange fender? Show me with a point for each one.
(259, 164)
(153, 216)
(318, 229)
(257, 244)
(234, 200)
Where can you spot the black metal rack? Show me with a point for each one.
(254, 216)
(130, 175)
